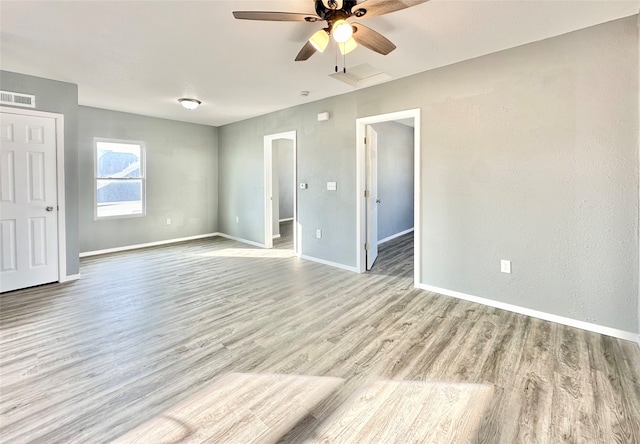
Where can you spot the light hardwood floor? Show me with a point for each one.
(216, 341)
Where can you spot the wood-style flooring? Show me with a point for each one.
(216, 341)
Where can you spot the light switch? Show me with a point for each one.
(505, 266)
(332, 186)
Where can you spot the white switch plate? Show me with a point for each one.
(505, 266)
(237, 219)
(319, 233)
(168, 221)
(332, 186)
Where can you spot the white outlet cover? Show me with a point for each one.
(332, 186)
(505, 266)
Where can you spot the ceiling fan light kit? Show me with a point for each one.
(320, 40)
(348, 46)
(342, 31)
(336, 13)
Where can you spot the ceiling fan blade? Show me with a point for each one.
(373, 8)
(275, 16)
(307, 51)
(371, 39)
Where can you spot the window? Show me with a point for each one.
(120, 178)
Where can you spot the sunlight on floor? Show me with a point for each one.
(408, 411)
(238, 408)
(250, 252)
(261, 408)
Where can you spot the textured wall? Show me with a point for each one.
(181, 179)
(61, 98)
(325, 153)
(529, 154)
(395, 178)
(286, 186)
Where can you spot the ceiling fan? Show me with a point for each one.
(348, 34)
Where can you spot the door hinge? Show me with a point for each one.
(365, 140)
(366, 193)
(366, 246)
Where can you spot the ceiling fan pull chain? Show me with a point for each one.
(344, 63)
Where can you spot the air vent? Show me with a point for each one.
(17, 99)
(362, 76)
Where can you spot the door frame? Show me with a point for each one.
(59, 125)
(268, 178)
(361, 179)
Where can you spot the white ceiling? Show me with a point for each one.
(140, 57)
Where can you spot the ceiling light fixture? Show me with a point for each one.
(320, 40)
(189, 103)
(348, 46)
(341, 31)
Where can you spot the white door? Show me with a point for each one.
(28, 201)
(372, 196)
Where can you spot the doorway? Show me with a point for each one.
(280, 199)
(367, 193)
(31, 199)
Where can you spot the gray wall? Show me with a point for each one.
(328, 153)
(181, 183)
(285, 178)
(529, 154)
(395, 178)
(61, 98)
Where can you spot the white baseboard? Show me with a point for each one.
(608, 331)
(276, 236)
(150, 244)
(286, 220)
(69, 278)
(393, 236)
(332, 264)
(239, 239)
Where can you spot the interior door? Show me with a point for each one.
(28, 201)
(372, 196)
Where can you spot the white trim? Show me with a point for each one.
(393, 236)
(146, 245)
(62, 233)
(239, 239)
(268, 171)
(72, 277)
(332, 264)
(288, 218)
(142, 178)
(608, 331)
(361, 125)
(276, 236)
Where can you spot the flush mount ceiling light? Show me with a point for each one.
(189, 103)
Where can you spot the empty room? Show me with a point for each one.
(320, 221)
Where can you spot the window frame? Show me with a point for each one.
(142, 178)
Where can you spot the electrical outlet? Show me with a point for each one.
(237, 219)
(319, 233)
(168, 221)
(505, 266)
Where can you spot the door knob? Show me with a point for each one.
(49, 208)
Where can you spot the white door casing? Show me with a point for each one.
(372, 196)
(268, 191)
(28, 201)
(361, 184)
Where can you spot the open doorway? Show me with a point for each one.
(280, 191)
(384, 210)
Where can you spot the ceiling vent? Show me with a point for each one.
(17, 99)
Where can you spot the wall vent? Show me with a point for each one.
(17, 99)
